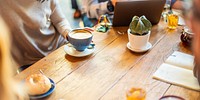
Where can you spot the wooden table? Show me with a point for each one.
(113, 69)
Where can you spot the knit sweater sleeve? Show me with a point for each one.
(58, 19)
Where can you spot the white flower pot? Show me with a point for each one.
(138, 42)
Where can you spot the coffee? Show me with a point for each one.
(80, 39)
(82, 35)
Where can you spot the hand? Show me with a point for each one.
(113, 2)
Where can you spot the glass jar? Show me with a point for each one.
(187, 36)
(136, 94)
(172, 21)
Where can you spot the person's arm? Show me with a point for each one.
(177, 4)
(93, 9)
(58, 19)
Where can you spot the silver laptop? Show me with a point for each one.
(125, 10)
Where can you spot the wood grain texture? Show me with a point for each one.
(112, 69)
(58, 65)
(140, 75)
(183, 92)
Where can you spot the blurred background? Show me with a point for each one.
(68, 12)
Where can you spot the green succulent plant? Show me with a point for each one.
(140, 25)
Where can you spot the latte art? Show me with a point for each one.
(80, 39)
(81, 35)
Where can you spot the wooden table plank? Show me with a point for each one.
(112, 69)
(140, 75)
(98, 75)
(183, 92)
(58, 65)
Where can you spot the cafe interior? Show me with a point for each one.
(99, 50)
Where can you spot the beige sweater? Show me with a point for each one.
(36, 28)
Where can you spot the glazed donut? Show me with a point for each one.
(37, 84)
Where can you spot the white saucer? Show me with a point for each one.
(70, 50)
(149, 46)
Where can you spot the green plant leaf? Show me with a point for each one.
(146, 22)
(140, 25)
(134, 22)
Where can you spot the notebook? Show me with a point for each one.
(178, 70)
(125, 10)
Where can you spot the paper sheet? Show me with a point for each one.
(178, 70)
(181, 59)
(181, 21)
(177, 76)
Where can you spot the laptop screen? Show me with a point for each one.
(125, 10)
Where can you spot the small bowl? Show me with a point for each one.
(187, 36)
(171, 97)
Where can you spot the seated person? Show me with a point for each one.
(93, 9)
(37, 27)
(77, 12)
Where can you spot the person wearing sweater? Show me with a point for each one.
(37, 27)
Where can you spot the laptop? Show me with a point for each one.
(125, 10)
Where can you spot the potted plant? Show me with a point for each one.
(139, 33)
